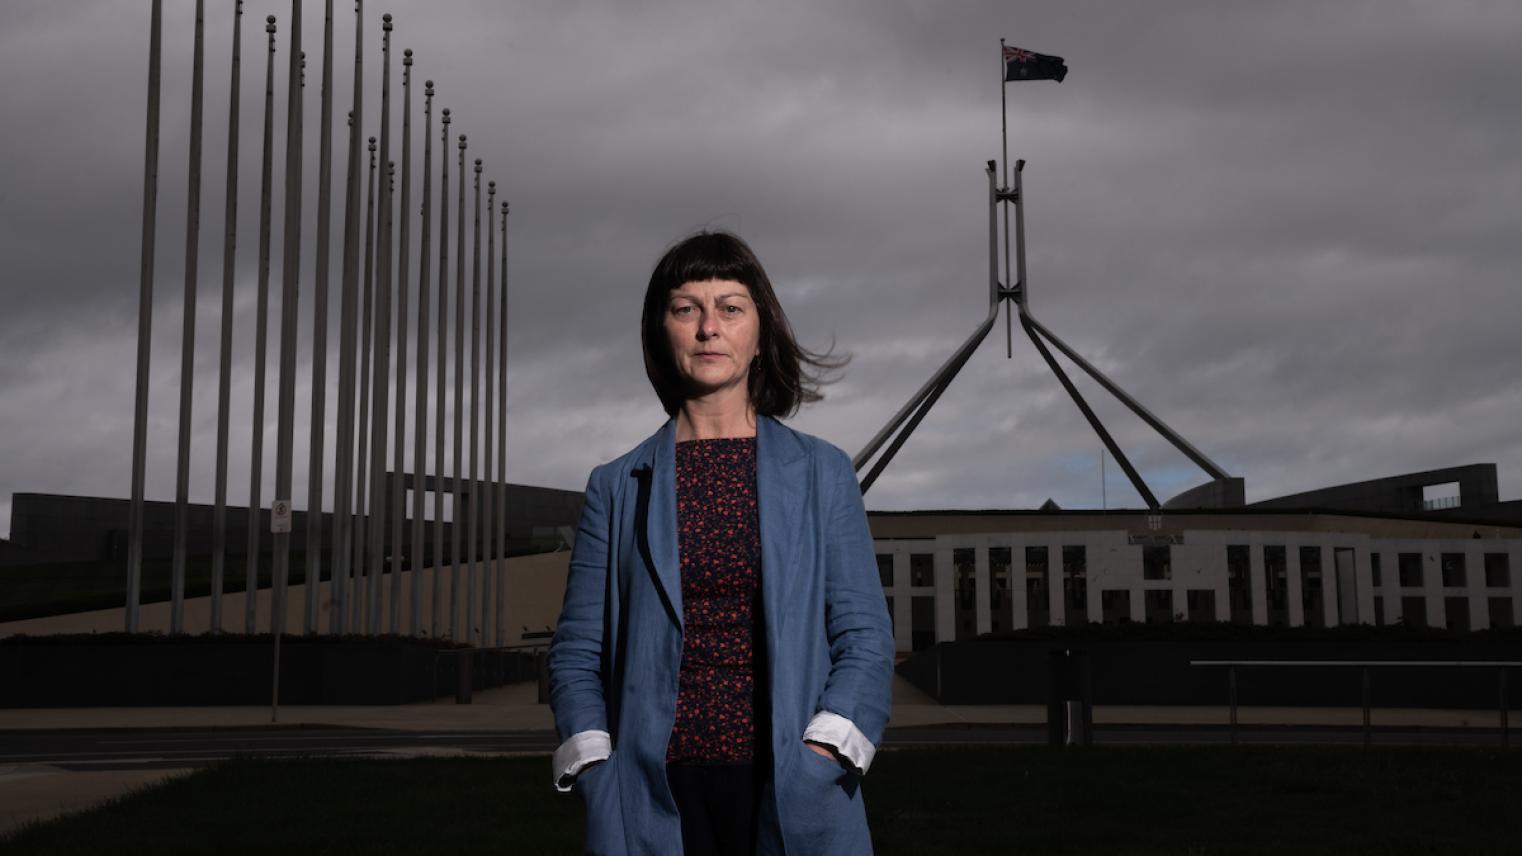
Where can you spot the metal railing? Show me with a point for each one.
(1363, 667)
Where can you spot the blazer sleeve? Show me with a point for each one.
(576, 658)
(856, 620)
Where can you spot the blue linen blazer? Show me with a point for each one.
(618, 646)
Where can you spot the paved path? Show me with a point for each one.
(54, 761)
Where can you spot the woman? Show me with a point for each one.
(720, 673)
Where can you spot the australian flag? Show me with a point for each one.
(1029, 65)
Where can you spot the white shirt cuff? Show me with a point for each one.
(578, 752)
(843, 736)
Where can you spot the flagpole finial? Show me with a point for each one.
(386, 22)
(407, 57)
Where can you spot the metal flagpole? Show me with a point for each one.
(459, 402)
(362, 463)
(440, 404)
(313, 556)
(501, 504)
(489, 484)
(144, 316)
(224, 376)
(420, 431)
(290, 294)
(188, 339)
(397, 482)
(261, 347)
(381, 373)
(1009, 336)
(343, 464)
(472, 553)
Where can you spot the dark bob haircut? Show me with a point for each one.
(784, 375)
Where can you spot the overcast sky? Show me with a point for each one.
(1292, 230)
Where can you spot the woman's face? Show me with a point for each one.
(714, 333)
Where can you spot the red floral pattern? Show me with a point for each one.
(719, 541)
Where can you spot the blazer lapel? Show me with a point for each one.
(781, 475)
(660, 520)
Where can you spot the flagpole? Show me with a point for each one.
(313, 557)
(397, 482)
(441, 401)
(224, 376)
(362, 463)
(144, 316)
(455, 527)
(489, 481)
(261, 346)
(420, 433)
(1009, 334)
(343, 453)
(188, 340)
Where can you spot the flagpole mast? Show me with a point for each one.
(441, 402)
(420, 432)
(144, 316)
(343, 454)
(188, 340)
(397, 482)
(261, 345)
(381, 374)
(489, 481)
(502, 440)
(313, 557)
(455, 529)
(1009, 334)
(229, 250)
(362, 462)
(473, 528)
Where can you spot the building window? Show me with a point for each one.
(1453, 570)
(1156, 564)
(964, 563)
(1075, 585)
(1375, 572)
(1159, 605)
(1501, 613)
(1413, 611)
(1115, 605)
(1239, 583)
(1201, 604)
(1497, 570)
(892, 621)
(921, 623)
(1312, 604)
(1037, 584)
(1410, 569)
(964, 570)
(1000, 560)
(1276, 580)
(921, 569)
(1379, 611)
(1456, 614)
(885, 569)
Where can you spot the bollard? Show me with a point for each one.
(463, 674)
(1070, 701)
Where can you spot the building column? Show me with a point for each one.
(1257, 580)
(945, 595)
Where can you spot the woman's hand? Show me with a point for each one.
(822, 750)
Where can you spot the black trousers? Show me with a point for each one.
(718, 805)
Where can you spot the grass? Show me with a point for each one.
(1029, 800)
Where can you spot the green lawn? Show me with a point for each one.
(957, 801)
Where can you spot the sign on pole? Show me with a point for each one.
(280, 516)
